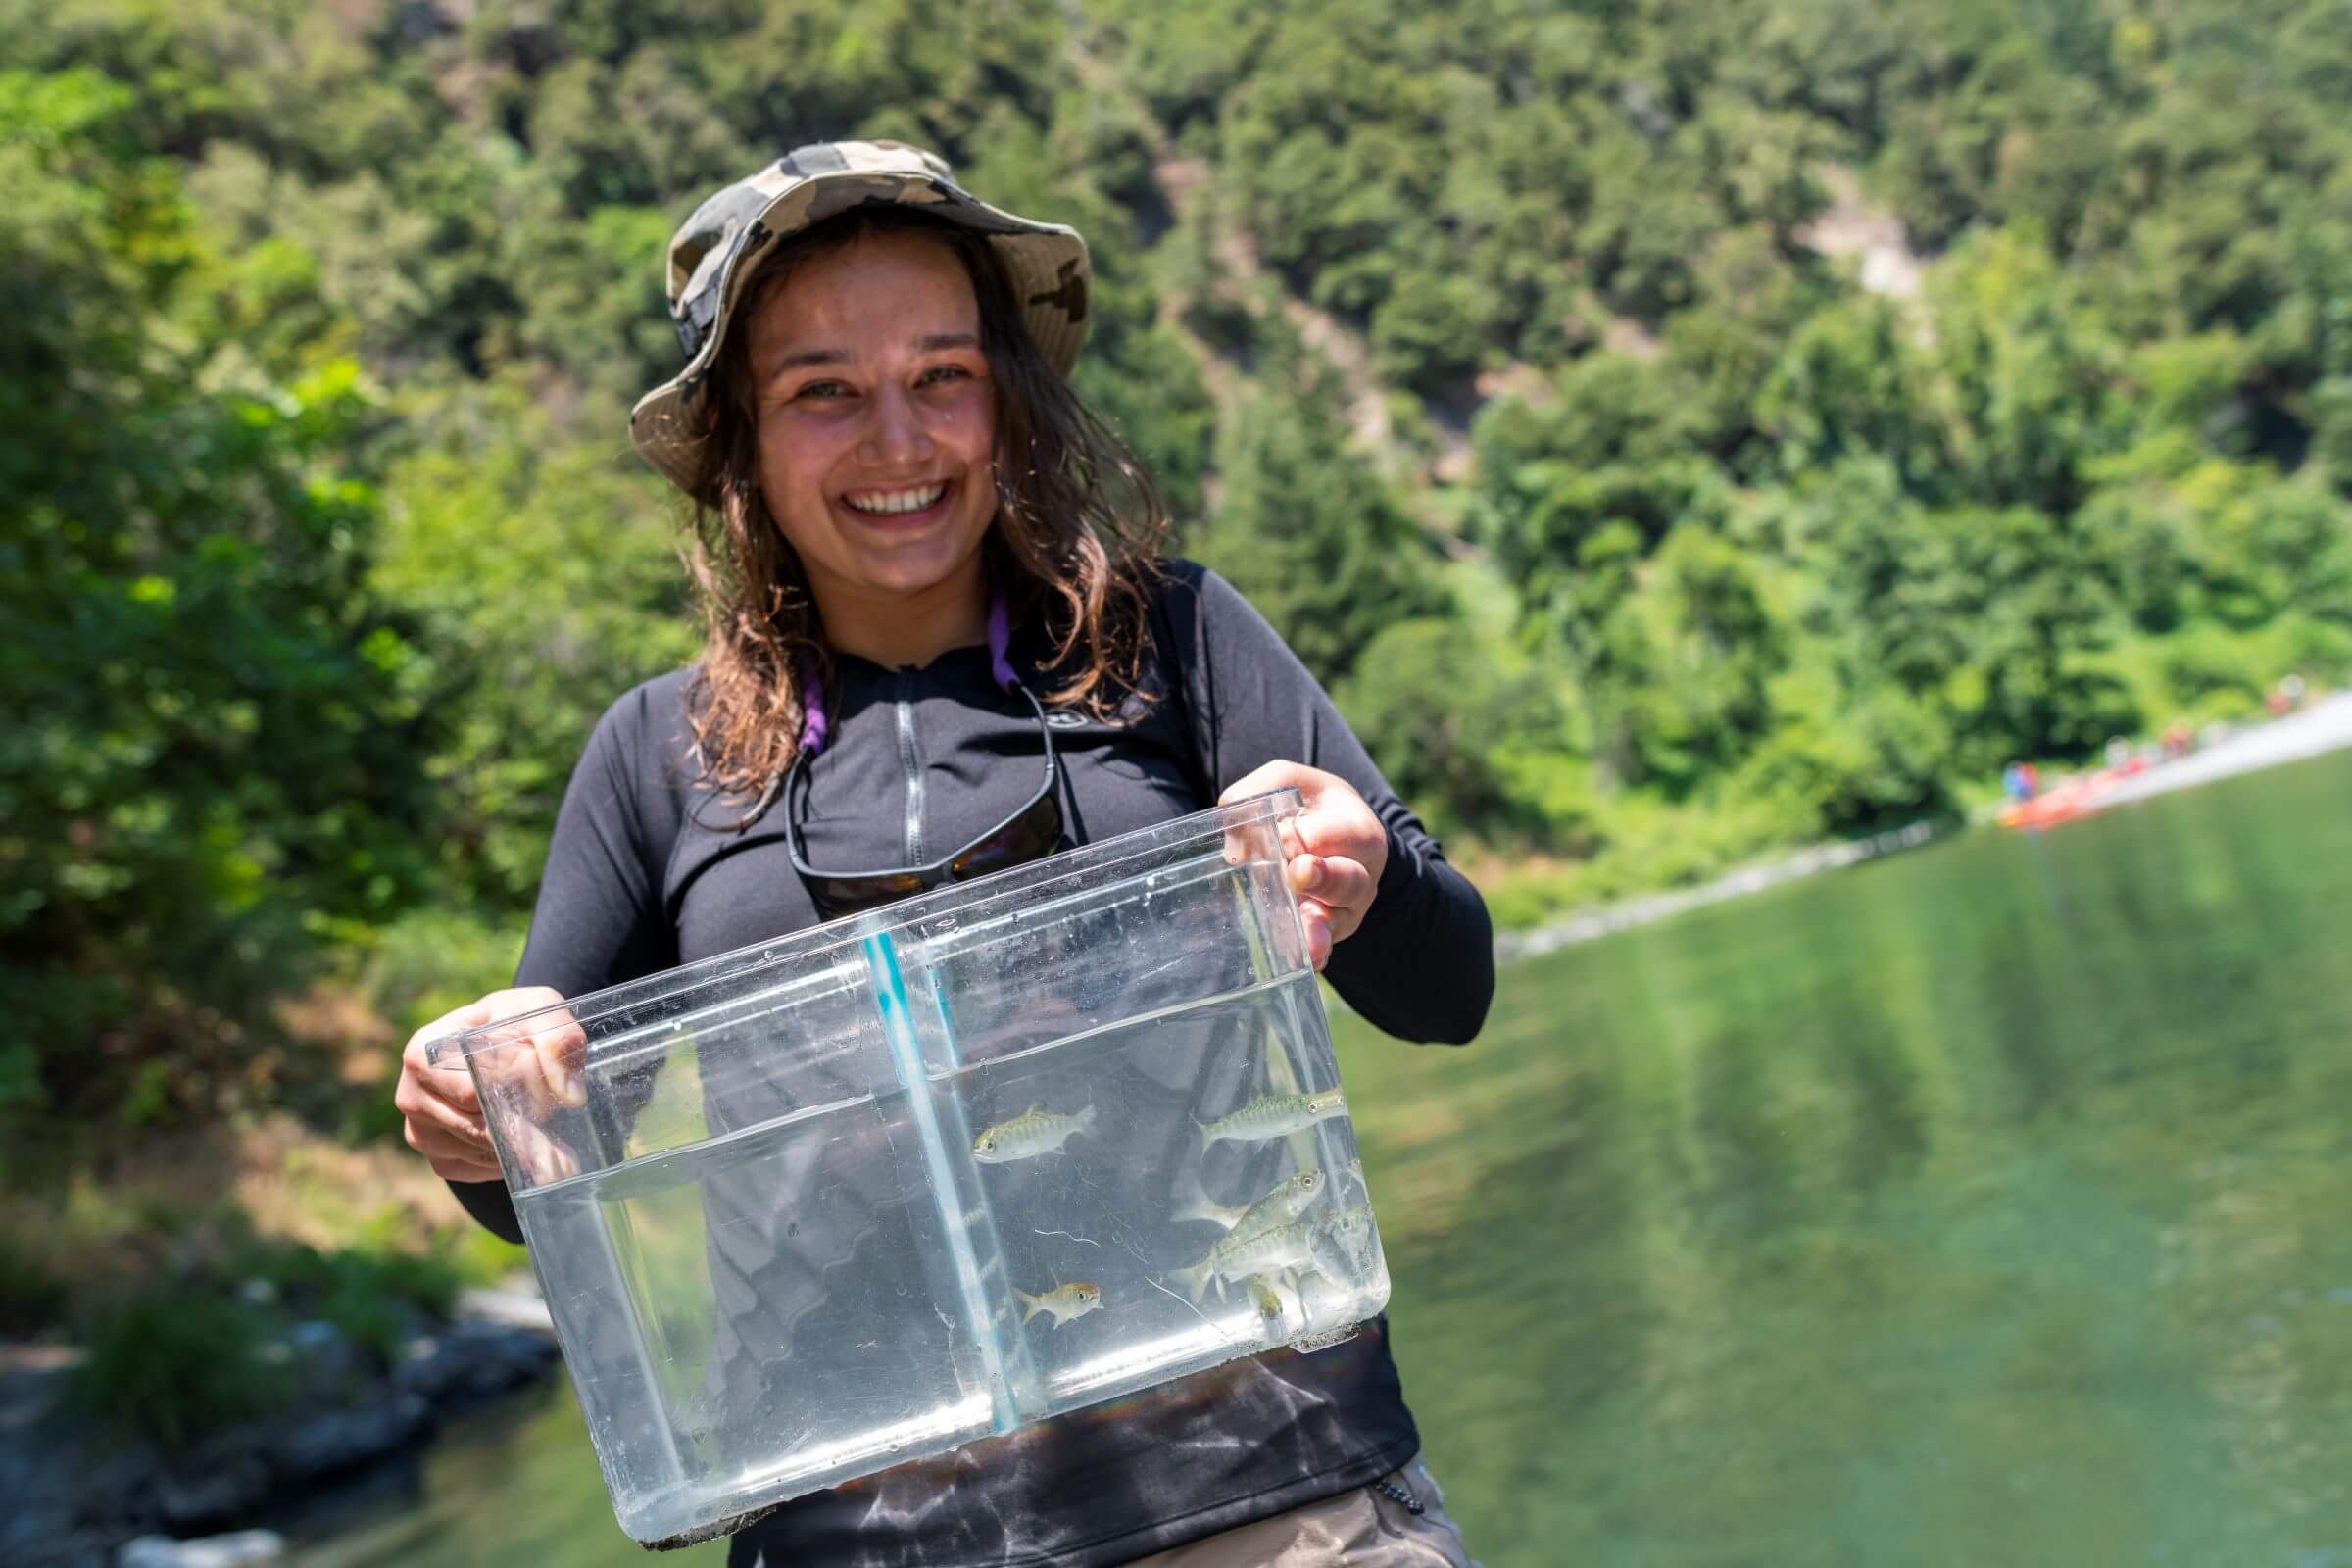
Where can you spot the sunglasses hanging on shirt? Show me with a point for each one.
(1028, 834)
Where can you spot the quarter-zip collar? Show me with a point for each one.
(929, 708)
(911, 762)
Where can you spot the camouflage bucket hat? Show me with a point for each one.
(719, 249)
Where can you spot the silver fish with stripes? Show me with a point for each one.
(1034, 1132)
(1272, 1116)
(1290, 1197)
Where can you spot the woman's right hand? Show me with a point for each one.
(439, 1107)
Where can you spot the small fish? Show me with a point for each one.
(1340, 1248)
(1063, 1301)
(1272, 1116)
(1352, 1226)
(1265, 1297)
(1035, 1131)
(1290, 1198)
(1237, 1256)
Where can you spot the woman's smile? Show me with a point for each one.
(899, 509)
(896, 503)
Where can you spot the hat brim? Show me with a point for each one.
(1046, 264)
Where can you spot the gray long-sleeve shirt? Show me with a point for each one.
(648, 870)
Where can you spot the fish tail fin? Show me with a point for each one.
(1035, 1303)
(1195, 1281)
(1192, 1203)
(1201, 1208)
(1203, 1129)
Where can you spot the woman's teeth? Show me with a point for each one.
(891, 501)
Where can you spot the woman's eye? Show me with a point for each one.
(821, 391)
(939, 374)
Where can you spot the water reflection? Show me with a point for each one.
(1981, 1205)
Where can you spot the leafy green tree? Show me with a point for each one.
(1426, 334)
(1851, 382)
(542, 581)
(1721, 643)
(1309, 533)
(1987, 614)
(1458, 722)
(211, 759)
(2022, 376)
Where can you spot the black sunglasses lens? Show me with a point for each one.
(836, 897)
(1030, 836)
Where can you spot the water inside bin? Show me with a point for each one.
(939, 1171)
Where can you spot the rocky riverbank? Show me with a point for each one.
(1592, 924)
(69, 1498)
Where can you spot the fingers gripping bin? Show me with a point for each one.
(880, 1189)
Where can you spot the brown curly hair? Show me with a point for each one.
(1076, 539)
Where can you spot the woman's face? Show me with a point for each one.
(876, 418)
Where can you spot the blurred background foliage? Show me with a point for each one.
(1673, 428)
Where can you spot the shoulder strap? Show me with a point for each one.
(1175, 631)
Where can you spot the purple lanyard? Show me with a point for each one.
(1000, 664)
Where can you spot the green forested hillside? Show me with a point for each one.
(1672, 428)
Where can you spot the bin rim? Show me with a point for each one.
(843, 937)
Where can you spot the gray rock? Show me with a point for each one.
(65, 1549)
(41, 1464)
(325, 1360)
(426, 1366)
(341, 1440)
(206, 1493)
(313, 1335)
(471, 1361)
(39, 1506)
(129, 1467)
(110, 1487)
(212, 1551)
(67, 1497)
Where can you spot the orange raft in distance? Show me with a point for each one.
(2061, 802)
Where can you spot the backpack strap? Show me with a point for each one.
(1174, 619)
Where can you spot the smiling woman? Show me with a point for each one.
(937, 617)
(832, 421)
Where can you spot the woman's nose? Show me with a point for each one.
(894, 429)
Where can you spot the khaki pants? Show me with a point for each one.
(1360, 1528)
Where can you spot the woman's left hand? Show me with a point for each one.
(1337, 850)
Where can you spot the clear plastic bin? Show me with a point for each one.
(881, 1188)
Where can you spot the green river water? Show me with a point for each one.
(1988, 1205)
